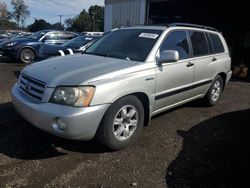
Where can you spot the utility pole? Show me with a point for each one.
(60, 20)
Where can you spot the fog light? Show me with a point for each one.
(60, 124)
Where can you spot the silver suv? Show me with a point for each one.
(122, 80)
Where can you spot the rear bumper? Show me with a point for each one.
(81, 123)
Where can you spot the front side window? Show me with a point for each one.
(177, 40)
(199, 43)
(130, 44)
(53, 36)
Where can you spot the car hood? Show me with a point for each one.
(17, 41)
(75, 69)
(23, 40)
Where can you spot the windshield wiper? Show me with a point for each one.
(107, 55)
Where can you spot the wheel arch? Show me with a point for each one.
(143, 97)
(27, 47)
(224, 78)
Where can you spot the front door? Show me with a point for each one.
(174, 80)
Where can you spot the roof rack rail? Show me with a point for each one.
(192, 25)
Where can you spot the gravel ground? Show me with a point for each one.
(189, 146)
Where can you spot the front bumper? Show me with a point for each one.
(8, 52)
(81, 123)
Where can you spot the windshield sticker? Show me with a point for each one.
(149, 35)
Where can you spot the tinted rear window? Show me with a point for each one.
(218, 46)
(199, 43)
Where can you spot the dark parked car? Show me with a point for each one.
(73, 46)
(26, 49)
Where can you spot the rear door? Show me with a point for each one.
(205, 63)
(174, 78)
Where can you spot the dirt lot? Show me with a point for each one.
(190, 146)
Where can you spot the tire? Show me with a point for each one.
(122, 123)
(213, 95)
(26, 56)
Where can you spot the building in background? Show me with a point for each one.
(230, 17)
(124, 12)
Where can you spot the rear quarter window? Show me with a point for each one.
(68, 36)
(217, 43)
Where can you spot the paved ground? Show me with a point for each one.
(190, 146)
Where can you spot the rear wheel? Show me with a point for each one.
(213, 95)
(122, 123)
(26, 56)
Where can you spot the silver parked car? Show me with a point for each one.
(122, 80)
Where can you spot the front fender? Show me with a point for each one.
(111, 91)
(34, 48)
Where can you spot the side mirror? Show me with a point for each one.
(169, 56)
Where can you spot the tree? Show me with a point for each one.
(20, 12)
(39, 25)
(5, 16)
(97, 15)
(93, 20)
(82, 22)
(69, 23)
(4, 13)
(57, 26)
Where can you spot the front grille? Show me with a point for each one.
(32, 87)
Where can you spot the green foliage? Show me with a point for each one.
(82, 22)
(57, 26)
(69, 22)
(87, 21)
(7, 24)
(97, 14)
(39, 25)
(20, 12)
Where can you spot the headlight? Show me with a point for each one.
(73, 96)
(11, 44)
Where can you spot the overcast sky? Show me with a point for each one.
(50, 9)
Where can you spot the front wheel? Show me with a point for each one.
(213, 95)
(122, 123)
(26, 56)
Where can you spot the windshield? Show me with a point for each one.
(130, 44)
(77, 42)
(37, 35)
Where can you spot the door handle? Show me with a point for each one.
(189, 64)
(214, 59)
